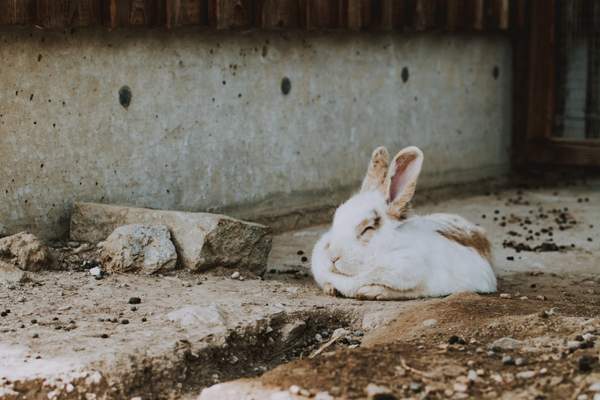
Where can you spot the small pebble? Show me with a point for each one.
(505, 296)
(455, 340)
(508, 360)
(472, 375)
(520, 361)
(573, 345)
(96, 272)
(235, 275)
(429, 323)
(415, 386)
(135, 300)
(459, 387)
(586, 363)
(525, 375)
(294, 389)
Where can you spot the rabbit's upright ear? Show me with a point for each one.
(402, 180)
(377, 171)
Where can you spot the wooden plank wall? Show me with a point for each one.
(386, 15)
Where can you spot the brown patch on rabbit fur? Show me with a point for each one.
(375, 178)
(474, 238)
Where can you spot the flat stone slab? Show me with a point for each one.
(203, 240)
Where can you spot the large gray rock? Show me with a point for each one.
(202, 240)
(139, 248)
(24, 251)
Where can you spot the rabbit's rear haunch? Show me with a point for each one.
(376, 249)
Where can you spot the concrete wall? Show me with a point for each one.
(208, 125)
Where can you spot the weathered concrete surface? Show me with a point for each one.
(139, 248)
(202, 240)
(208, 126)
(194, 326)
(185, 333)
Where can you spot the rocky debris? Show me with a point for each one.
(24, 251)
(202, 240)
(136, 247)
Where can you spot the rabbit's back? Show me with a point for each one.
(455, 253)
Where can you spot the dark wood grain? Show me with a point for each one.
(185, 12)
(17, 12)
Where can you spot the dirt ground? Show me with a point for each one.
(415, 360)
(68, 335)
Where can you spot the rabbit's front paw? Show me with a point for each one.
(330, 290)
(375, 292)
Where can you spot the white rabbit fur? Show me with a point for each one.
(376, 250)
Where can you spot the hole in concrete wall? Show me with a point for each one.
(125, 96)
(496, 72)
(404, 75)
(286, 85)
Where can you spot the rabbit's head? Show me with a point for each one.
(362, 224)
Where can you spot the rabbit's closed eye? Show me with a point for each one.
(366, 229)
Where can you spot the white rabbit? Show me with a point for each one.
(376, 249)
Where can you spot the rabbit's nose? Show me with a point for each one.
(334, 259)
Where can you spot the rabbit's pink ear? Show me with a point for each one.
(377, 171)
(402, 180)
